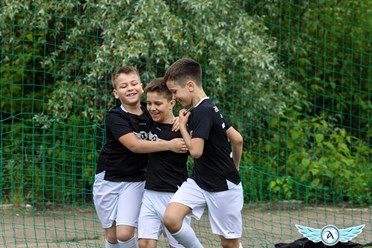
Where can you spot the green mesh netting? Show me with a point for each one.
(294, 77)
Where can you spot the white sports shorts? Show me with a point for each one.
(117, 201)
(150, 223)
(224, 208)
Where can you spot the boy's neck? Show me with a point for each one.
(133, 109)
(169, 120)
(196, 99)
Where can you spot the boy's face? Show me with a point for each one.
(182, 94)
(128, 89)
(160, 108)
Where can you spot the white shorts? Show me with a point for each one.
(117, 201)
(150, 223)
(224, 208)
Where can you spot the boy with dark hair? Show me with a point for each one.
(166, 170)
(216, 148)
(120, 176)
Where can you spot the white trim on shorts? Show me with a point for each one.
(117, 201)
(224, 208)
(150, 223)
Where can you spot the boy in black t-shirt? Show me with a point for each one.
(120, 176)
(216, 148)
(166, 171)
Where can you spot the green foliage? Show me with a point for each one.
(327, 50)
(48, 111)
(281, 188)
(311, 161)
(292, 76)
(53, 162)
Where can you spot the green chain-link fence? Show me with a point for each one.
(294, 77)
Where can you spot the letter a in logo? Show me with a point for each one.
(329, 234)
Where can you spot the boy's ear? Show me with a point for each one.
(190, 85)
(172, 102)
(115, 93)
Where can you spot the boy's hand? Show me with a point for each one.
(178, 145)
(184, 115)
(176, 124)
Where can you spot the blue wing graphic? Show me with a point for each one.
(348, 233)
(312, 234)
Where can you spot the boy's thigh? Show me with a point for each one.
(224, 210)
(117, 201)
(150, 223)
(192, 196)
(105, 199)
(129, 203)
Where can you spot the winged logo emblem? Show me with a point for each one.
(330, 235)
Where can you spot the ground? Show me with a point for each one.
(263, 226)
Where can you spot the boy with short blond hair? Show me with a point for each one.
(121, 171)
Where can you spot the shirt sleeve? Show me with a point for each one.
(226, 123)
(118, 124)
(201, 123)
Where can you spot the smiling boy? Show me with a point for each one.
(121, 171)
(166, 170)
(216, 148)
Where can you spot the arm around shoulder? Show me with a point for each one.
(135, 145)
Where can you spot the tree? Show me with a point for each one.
(59, 56)
(326, 47)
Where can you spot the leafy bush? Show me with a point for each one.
(310, 160)
(271, 82)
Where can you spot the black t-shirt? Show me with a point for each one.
(120, 164)
(166, 170)
(216, 164)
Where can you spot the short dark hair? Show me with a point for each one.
(158, 85)
(122, 70)
(183, 70)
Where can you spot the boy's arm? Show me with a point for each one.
(135, 145)
(194, 145)
(236, 144)
(176, 124)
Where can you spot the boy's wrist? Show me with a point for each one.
(183, 128)
(168, 145)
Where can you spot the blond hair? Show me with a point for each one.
(122, 70)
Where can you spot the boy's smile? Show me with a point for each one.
(128, 89)
(181, 94)
(160, 107)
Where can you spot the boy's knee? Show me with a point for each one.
(111, 235)
(168, 220)
(124, 233)
(124, 236)
(174, 215)
(111, 238)
(230, 243)
(141, 243)
(147, 243)
(172, 222)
